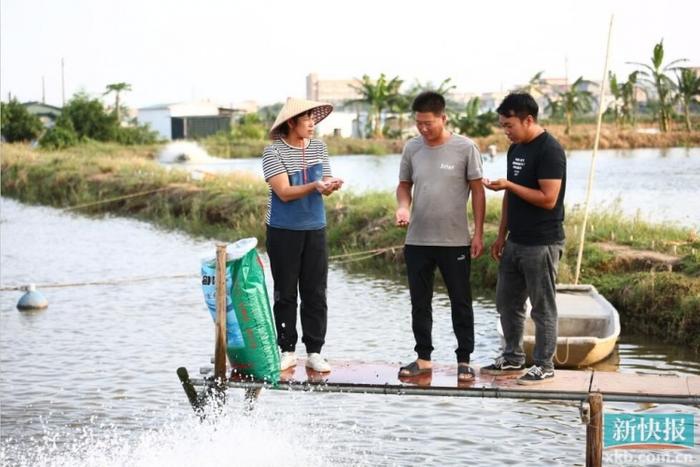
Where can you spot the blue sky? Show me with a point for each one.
(231, 51)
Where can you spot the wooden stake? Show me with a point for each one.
(594, 431)
(220, 344)
(595, 153)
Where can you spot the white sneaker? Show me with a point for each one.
(288, 360)
(317, 363)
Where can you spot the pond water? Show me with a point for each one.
(91, 380)
(659, 185)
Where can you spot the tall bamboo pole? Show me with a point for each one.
(589, 190)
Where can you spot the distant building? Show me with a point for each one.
(46, 113)
(186, 120)
(489, 101)
(334, 91)
(340, 123)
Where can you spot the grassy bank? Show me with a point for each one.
(221, 146)
(581, 137)
(656, 295)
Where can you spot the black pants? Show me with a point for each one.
(454, 264)
(299, 260)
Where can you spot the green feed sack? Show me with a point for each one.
(250, 329)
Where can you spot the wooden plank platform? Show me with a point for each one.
(382, 378)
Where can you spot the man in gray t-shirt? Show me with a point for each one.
(438, 172)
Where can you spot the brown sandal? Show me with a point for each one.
(465, 373)
(412, 369)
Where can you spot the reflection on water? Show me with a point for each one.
(91, 380)
(657, 184)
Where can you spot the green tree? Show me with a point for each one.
(268, 113)
(17, 124)
(688, 83)
(471, 122)
(629, 98)
(250, 126)
(616, 91)
(117, 89)
(554, 107)
(89, 118)
(625, 103)
(576, 101)
(377, 95)
(400, 104)
(61, 136)
(445, 88)
(656, 76)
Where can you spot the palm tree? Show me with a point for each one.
(656, 76)
(377, 95)
(117, 88)
(688, 87)
(576, 101)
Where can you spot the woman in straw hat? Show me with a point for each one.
(296, 168)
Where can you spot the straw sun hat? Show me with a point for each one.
(294, 107)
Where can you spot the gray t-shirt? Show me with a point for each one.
(440, 177)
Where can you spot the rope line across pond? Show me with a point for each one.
(355, 256)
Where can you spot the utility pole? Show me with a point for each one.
(43, 90)
(63, 85)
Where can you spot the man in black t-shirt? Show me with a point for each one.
(532, 218)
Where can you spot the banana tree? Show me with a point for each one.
(656, 76)
(576, 101)
(629, 98)
(471, 122)
(377, 95)
(616, 91)
(688, 83)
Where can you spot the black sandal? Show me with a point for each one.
(465, 373)
(412, 369)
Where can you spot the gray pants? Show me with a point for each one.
(529, 271)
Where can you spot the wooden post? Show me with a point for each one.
(220, 345)
(594, 431)
(189, 389)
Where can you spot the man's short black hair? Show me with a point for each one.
(518, 104)
(429, 101)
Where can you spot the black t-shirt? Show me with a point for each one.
(541, 158)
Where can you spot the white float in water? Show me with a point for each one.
(32, 299)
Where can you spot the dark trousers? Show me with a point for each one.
(529, 271)
(454, 264)
(299, 260)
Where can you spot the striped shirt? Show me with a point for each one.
(301, 167)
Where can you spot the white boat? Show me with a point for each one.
(589, 327)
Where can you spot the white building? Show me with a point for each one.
(186, 119)
(339, 123)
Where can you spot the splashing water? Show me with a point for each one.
(261, 438)
(183, 152)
